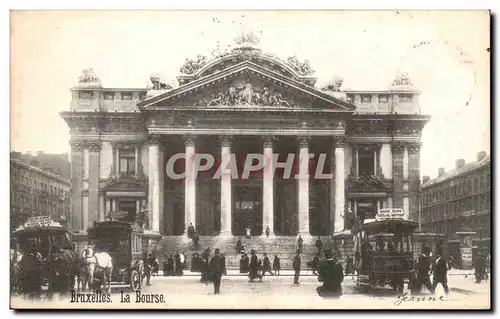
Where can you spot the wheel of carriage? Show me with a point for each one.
(135, 280)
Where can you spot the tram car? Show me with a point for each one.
(384, 251)
(44, 258)
(123, 242)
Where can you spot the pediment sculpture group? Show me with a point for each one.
(246, 94)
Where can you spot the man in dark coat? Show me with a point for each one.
(239, 246)
(332, 276)
(315, 264)
(296, 267)
(266, 265)
(480, 267)
(423, 268)
(224, 263)
(177, 260)
(319, 245)
(440, 273)
(300, 241)
(216, 270)
(276, 265)
(190, 231)
(254, 263)
(165, 266)
(245, 263)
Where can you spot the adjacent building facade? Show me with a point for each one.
(37, 191)
(243, 101)
(459, 201)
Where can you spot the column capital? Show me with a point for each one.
(339, 141)
(398, 147)
(76, 146)
(93, 146)
(414, 148)
(304, 141)
(189, 140)
(268, 140)
(154, 139)
(225, 140)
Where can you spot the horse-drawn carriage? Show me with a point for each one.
(391, 261)
(42, 256)
(114, 254)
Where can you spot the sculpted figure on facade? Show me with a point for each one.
(246, 94)
(302, 68)
(89, 77)
(158, 84)
(334, 85)
(402, 80)
(192, 66)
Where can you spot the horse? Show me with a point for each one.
(101, 260)
(15, 270)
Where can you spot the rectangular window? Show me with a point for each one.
(127, 161)
(383, 98)
(405, 98)
(126, 95)
(85, 95)
(366, 98)
(366, 162)
(109, 95)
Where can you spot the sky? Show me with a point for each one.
(446, 55)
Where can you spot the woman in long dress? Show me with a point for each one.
(248, 231)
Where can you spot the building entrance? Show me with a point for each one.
(247, 209)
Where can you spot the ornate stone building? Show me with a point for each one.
(36, 190)
(459, 201)
(243, 101)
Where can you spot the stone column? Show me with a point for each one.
(225, 189)
(339, 185)
(108, 208)
(397, 174)
(190, 184)
(155, 187)
(303, 187)
(268, 188)
(414, 180)
(94, 148)
(136, 168)
(76, 184)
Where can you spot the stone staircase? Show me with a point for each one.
(283, 246)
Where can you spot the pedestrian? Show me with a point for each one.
(349, 267)
(254, 263)
(216, 270)
(147, 267)
(165, 266)
(315, 265)
(239, 246)
(190, 231)
(246, 263)
(266, 267)
(423, 268)
(276, 265)
(296, 267)
(182, 259)
(319, 245)
(300, 241)
(268, 231)
(440, 273)
(248, 231)
(331, 275)
(479, 267)
(170, 265)
(177, 260)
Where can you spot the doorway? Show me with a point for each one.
(247, 209)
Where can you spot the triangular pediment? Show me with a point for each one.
(246, 85)
(368, 184)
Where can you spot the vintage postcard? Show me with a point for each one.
(250, 160)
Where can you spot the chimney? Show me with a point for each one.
(459, 163)
(440, 171)
(481, 155)
(425, 179)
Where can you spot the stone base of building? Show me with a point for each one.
(150, 241)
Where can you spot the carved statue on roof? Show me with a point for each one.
(334, 85)
(402, 80)
(89, 77)
(302, 68)
(247, 38)
(191, 66)
(158, 84)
